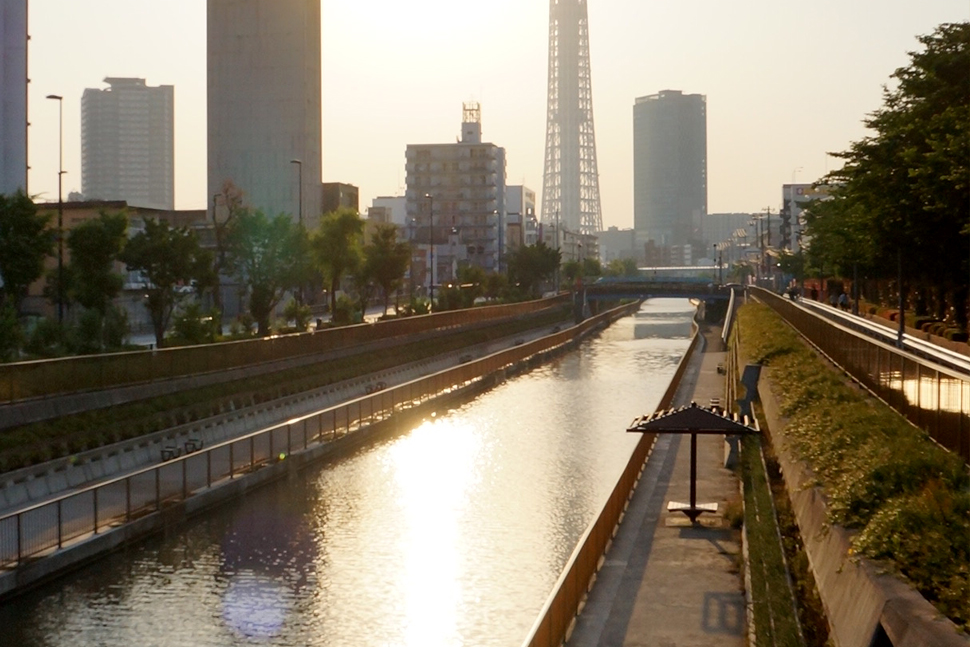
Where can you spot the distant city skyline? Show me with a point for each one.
(785, 83)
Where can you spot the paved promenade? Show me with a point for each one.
(664, 582)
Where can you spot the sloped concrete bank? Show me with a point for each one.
(49, 566)
(865, 606)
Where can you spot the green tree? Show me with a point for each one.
(386, 259)
(337, 247)
(232, 204)
(26, 239)
(172, 261)
(621, 267)
(903, 193)
(471, 284)
(496, 285)
(264, 254)
(530, 265)
(95, 247)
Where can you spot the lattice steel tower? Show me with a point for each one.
(570, 186)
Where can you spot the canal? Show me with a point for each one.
(452, 533)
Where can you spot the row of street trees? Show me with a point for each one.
(268, 257)
(900, 205)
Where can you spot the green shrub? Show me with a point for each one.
(194, 326)
(880, 474)
(11, 334)
(299, 314)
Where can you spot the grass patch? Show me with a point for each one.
(909, 498)
(43, 441)
(771, 596)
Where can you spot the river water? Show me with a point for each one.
(452, 533)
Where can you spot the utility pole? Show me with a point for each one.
(431, 248)
(60, 209)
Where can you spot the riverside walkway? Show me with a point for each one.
(666, 582)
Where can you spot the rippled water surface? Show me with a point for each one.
(450, 534)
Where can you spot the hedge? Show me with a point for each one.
(908, 498)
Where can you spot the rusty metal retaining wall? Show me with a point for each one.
(36, 379)
(554, 619)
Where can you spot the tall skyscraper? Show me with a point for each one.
(128, 143)
(13, 95)
(570, 185)
(264, 103)
(669, 167)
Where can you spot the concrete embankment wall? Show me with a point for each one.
(31, 572)
(864, 605)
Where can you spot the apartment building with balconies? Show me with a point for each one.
(455, 201)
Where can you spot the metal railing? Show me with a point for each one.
(933, 397)
(42, 528)
(42, 378)
(549, 629)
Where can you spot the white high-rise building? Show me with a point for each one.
(128, 143)
(13, 95)
(264, 103)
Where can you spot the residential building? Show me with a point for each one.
(794, 199)
(264, 103)
(456, 198)
(669, 167)
(616, 243)
(720, 227)
(128, 143)
(520, 205)
(13, 96)
(572, 245)
(396, 207)
(338, 195)
(132, 296)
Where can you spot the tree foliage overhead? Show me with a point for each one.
(172, 262)
(264, 254)
(337, 247)
(904, 191)
(25, 240)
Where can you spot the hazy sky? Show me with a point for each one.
(786, 82)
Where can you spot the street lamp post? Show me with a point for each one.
(411, 253)
(299, 164)
(720, 266)
(431, 248)
(60, 208)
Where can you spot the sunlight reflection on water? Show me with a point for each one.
(452, 533)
